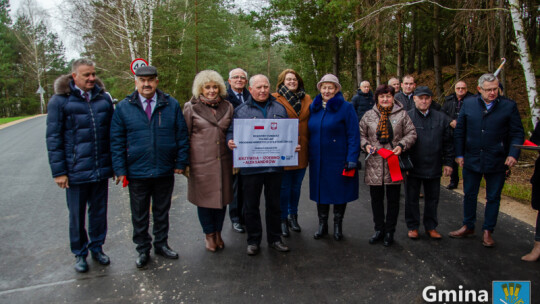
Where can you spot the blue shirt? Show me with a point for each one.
(153, 102)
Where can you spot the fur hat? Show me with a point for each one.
(329, 78)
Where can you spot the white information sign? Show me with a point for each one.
(265, 142)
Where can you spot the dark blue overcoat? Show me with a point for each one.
(334, 140)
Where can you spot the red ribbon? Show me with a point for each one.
(393, 164)
(529, 143)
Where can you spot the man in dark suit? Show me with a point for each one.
(149, 144)
(487, 129)
(237, 94)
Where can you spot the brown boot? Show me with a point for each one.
(534, 254)
(487, 240)
(461, 232)
(219, 240)
(211, 242)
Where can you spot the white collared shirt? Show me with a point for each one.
(152, 103)
(82, 92)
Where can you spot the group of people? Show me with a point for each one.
(148, 138)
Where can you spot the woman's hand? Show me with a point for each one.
(397, 150)
(231, 144)
(369, 149)
(298, 148)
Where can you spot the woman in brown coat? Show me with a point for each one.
(291, 94)
(387, 126)
(208, 116)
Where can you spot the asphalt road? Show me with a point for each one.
(36, 263)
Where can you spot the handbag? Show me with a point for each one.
(405, 162)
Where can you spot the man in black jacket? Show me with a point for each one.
(452, 105)
(433, 149)
(405, 97)
(363, 100)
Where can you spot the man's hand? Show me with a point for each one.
(120, 178)
(178, 171)
(231, 144)
(62, 181)
(298, 148)
(447, 171)
(460, 161)
(510, 161)
(397, 150)
(453, 123)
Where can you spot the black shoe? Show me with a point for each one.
(279, 246)
(293, 222)
(252, 249)
(388, 239)
(80, 265)
(378, 236)
(101, 257)
(451, 186)
(238, 227)
(166, 252)
(284, 228)
(143, 259)
(323, 230)
(338, 230)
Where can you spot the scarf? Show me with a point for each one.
(384, 128)
(212, 103)
(293, 98)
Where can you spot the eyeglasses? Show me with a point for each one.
(490, 90)
(291, 79)
(239, 77)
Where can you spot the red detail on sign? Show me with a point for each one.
(137, 63)
(273, 126)
(259, 127)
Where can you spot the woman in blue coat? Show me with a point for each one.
(334, 147)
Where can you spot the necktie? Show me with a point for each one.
(86, 97)
(240, 97)
(148, 109)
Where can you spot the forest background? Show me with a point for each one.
(436, 41)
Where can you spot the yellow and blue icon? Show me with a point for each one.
(512, 292)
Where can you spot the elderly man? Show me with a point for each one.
(363, 100)
(487, 129)
(78, 126)
(452, 106)
(434, 148)
(405, 97)
(237, 94)
(261, 105)
(149, 144)
(394, 82)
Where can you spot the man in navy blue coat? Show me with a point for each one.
(149, 144)
(78, 125)
(488, 127)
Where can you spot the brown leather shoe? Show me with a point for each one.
(461, 232)
(487, 240)
(413, 234)
(434, 234)
(210, 241)
(219, 241)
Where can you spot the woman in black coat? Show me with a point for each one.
(535, 200)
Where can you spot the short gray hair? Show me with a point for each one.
(238, 69)
(391, 79)
(486, 78)
(81, 61)
(252, 79)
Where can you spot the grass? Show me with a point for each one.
(512, 188)
(4, 120)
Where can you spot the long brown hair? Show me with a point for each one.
(281, 78)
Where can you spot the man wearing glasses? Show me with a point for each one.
(488, 127)
(237, 95)
(452, 105)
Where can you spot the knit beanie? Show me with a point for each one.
(329, 78)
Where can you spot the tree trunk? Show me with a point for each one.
(502, 41)
(378, 64)
(413, 49)
(525, 59)
(335, 61)
(196, 38)
(490, 28)
(151, 7)
(399, 70)
(359, 75)
(436, 53)
(315, 71)
(458, 56)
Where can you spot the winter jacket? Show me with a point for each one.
(450, 105)
(274, 110)
(149, 149)
(535, 179)
(210, 160)
(377, 172)
(486, 137)
(233, 98)
(434, 146)
(362, 103)
(334, 142)
(405, 102)
(303, 133)
(78, 133)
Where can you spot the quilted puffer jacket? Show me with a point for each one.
(404, 134)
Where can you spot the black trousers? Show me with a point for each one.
(252, 188)
(382, 223)
(237, 205)
(454, 177)
(432, 189)
(140, 192)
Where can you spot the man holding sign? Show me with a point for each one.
(261, 106)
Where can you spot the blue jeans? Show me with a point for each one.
(471, 184)
(211, 219)
(290, 191)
